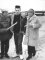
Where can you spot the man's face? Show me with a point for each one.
(5, 13)
(17, 10)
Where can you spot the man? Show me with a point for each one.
(5, 35)
(32, 33)
(18, 29)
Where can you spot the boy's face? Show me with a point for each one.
(17, 10)
(23, 14)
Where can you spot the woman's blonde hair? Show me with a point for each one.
(31, 10)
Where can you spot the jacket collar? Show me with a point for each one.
(31, 18)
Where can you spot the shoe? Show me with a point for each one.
(1, 57)
(28, 58)
(16, 56)
(21, 57)
(6, 56)
(34, 54)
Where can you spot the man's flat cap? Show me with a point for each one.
(4, 11)
(17, 6)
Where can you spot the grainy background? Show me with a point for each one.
(41, 37)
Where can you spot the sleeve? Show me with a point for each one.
(24, 23)
(37, 24)
(12, 19)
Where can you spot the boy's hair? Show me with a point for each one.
(17, 6)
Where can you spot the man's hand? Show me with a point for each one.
(12, 26)
(2, 30)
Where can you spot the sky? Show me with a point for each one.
(9, 5)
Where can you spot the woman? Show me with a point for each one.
(32, 33)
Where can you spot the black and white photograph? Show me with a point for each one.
(22, 29)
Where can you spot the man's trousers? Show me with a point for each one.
(5, 37)
(4, 47)
(18, 42)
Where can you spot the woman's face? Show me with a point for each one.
(30, 14)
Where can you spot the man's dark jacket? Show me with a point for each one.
(5, 22)
(20, 23)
